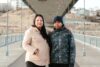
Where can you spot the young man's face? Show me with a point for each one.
(57, 25)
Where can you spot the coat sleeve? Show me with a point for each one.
(72, 50)
(26, 44)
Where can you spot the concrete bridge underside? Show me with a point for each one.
(50, 8)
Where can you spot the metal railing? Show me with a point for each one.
(7, 40)
(91, 40)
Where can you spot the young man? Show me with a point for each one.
(62, 45)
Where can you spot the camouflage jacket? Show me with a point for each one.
(62, 47)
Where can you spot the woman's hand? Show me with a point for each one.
(36, 52)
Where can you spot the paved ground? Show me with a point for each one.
(92, 58)
(15, 51)
(20, 62)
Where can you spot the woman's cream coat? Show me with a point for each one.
(32, 41)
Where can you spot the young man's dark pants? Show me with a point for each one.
(60, 65)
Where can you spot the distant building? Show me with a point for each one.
(17, 4)
(98, 13)
(73, 10)
(92, 13)
(4, 7)
(82, 12)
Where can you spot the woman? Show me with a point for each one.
(35, 44)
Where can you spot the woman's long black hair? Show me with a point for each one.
(43, 29)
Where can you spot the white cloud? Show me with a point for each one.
(4, 1)
(95, 4)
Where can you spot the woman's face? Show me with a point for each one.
(39, 22)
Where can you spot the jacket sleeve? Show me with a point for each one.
(72, 50)
(26, 44)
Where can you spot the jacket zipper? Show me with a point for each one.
(59, 48)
